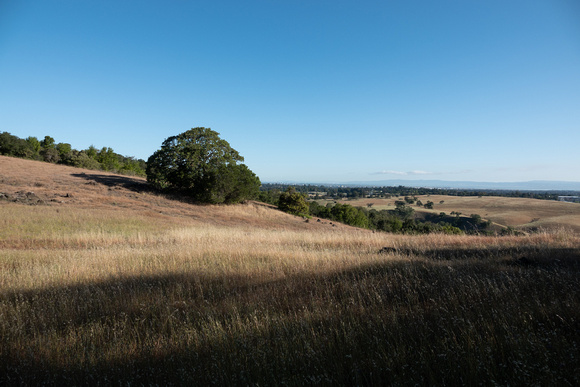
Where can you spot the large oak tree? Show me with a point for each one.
(203, 166)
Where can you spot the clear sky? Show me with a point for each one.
(306, 90)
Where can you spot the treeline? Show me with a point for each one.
(402, 219)
(341, 192)
(62, 153)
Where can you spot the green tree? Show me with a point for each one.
(82, 160)
(390, 224)
(399, 203)
(92, 152)
(108, 159)
(50, 155)
(350, 215)
(293, 202)
(34, 145)
(48, 151)
(13, 146)
(64, 153)
(476, 219)
(200, 164)
(47, 143)
(402, 210)
(270, 196)
(234, 183)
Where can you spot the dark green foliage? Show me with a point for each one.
(47, 143)
(476, 218)
(108, 159)
(474, 224)
(320, 211)
(349, 215)
(64, 153)
(13, 146)
(34, 145)
(403, 211)
(200, 164)
(399, 220)
(234, 183)
(269, 196)
(82, 160)
(92, 152)
(131, 165)
(50, 155)
(390, 224)
(402, 219)
(48, 150)
(510, 231)
(340, 192)
(293, 202)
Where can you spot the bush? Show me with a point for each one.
(293, 202)
(82, 160)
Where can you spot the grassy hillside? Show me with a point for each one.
(104, 282)
(520, 213)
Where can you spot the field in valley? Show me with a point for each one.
(519, 213)
(103, 281)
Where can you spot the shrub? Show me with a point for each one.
(293, 202)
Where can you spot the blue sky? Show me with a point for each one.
(306, 90)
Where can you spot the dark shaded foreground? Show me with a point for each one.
(492, 319)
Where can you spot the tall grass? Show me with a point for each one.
(115, 298)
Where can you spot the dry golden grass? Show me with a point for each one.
(65, 188)
(521, 213)
(118, 285)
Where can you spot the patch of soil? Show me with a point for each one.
(22, 197)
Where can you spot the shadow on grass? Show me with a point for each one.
(134, 185)
(393, 323)
(130, 183)
(519, 255)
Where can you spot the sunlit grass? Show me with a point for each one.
(108, 297)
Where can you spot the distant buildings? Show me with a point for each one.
(569, 199)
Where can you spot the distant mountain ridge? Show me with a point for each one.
(534, 185)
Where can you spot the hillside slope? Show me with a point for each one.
(105, 282)
(521, 213)
(38, 183)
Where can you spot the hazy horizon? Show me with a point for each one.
(326, 91)
(532, 185)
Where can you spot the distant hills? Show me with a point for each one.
(534, 185)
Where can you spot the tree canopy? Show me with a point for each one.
(293, 202)
(203, 166)
(63, 153)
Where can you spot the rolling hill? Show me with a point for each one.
(104, 282)
(520, 213)
(56, 186)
